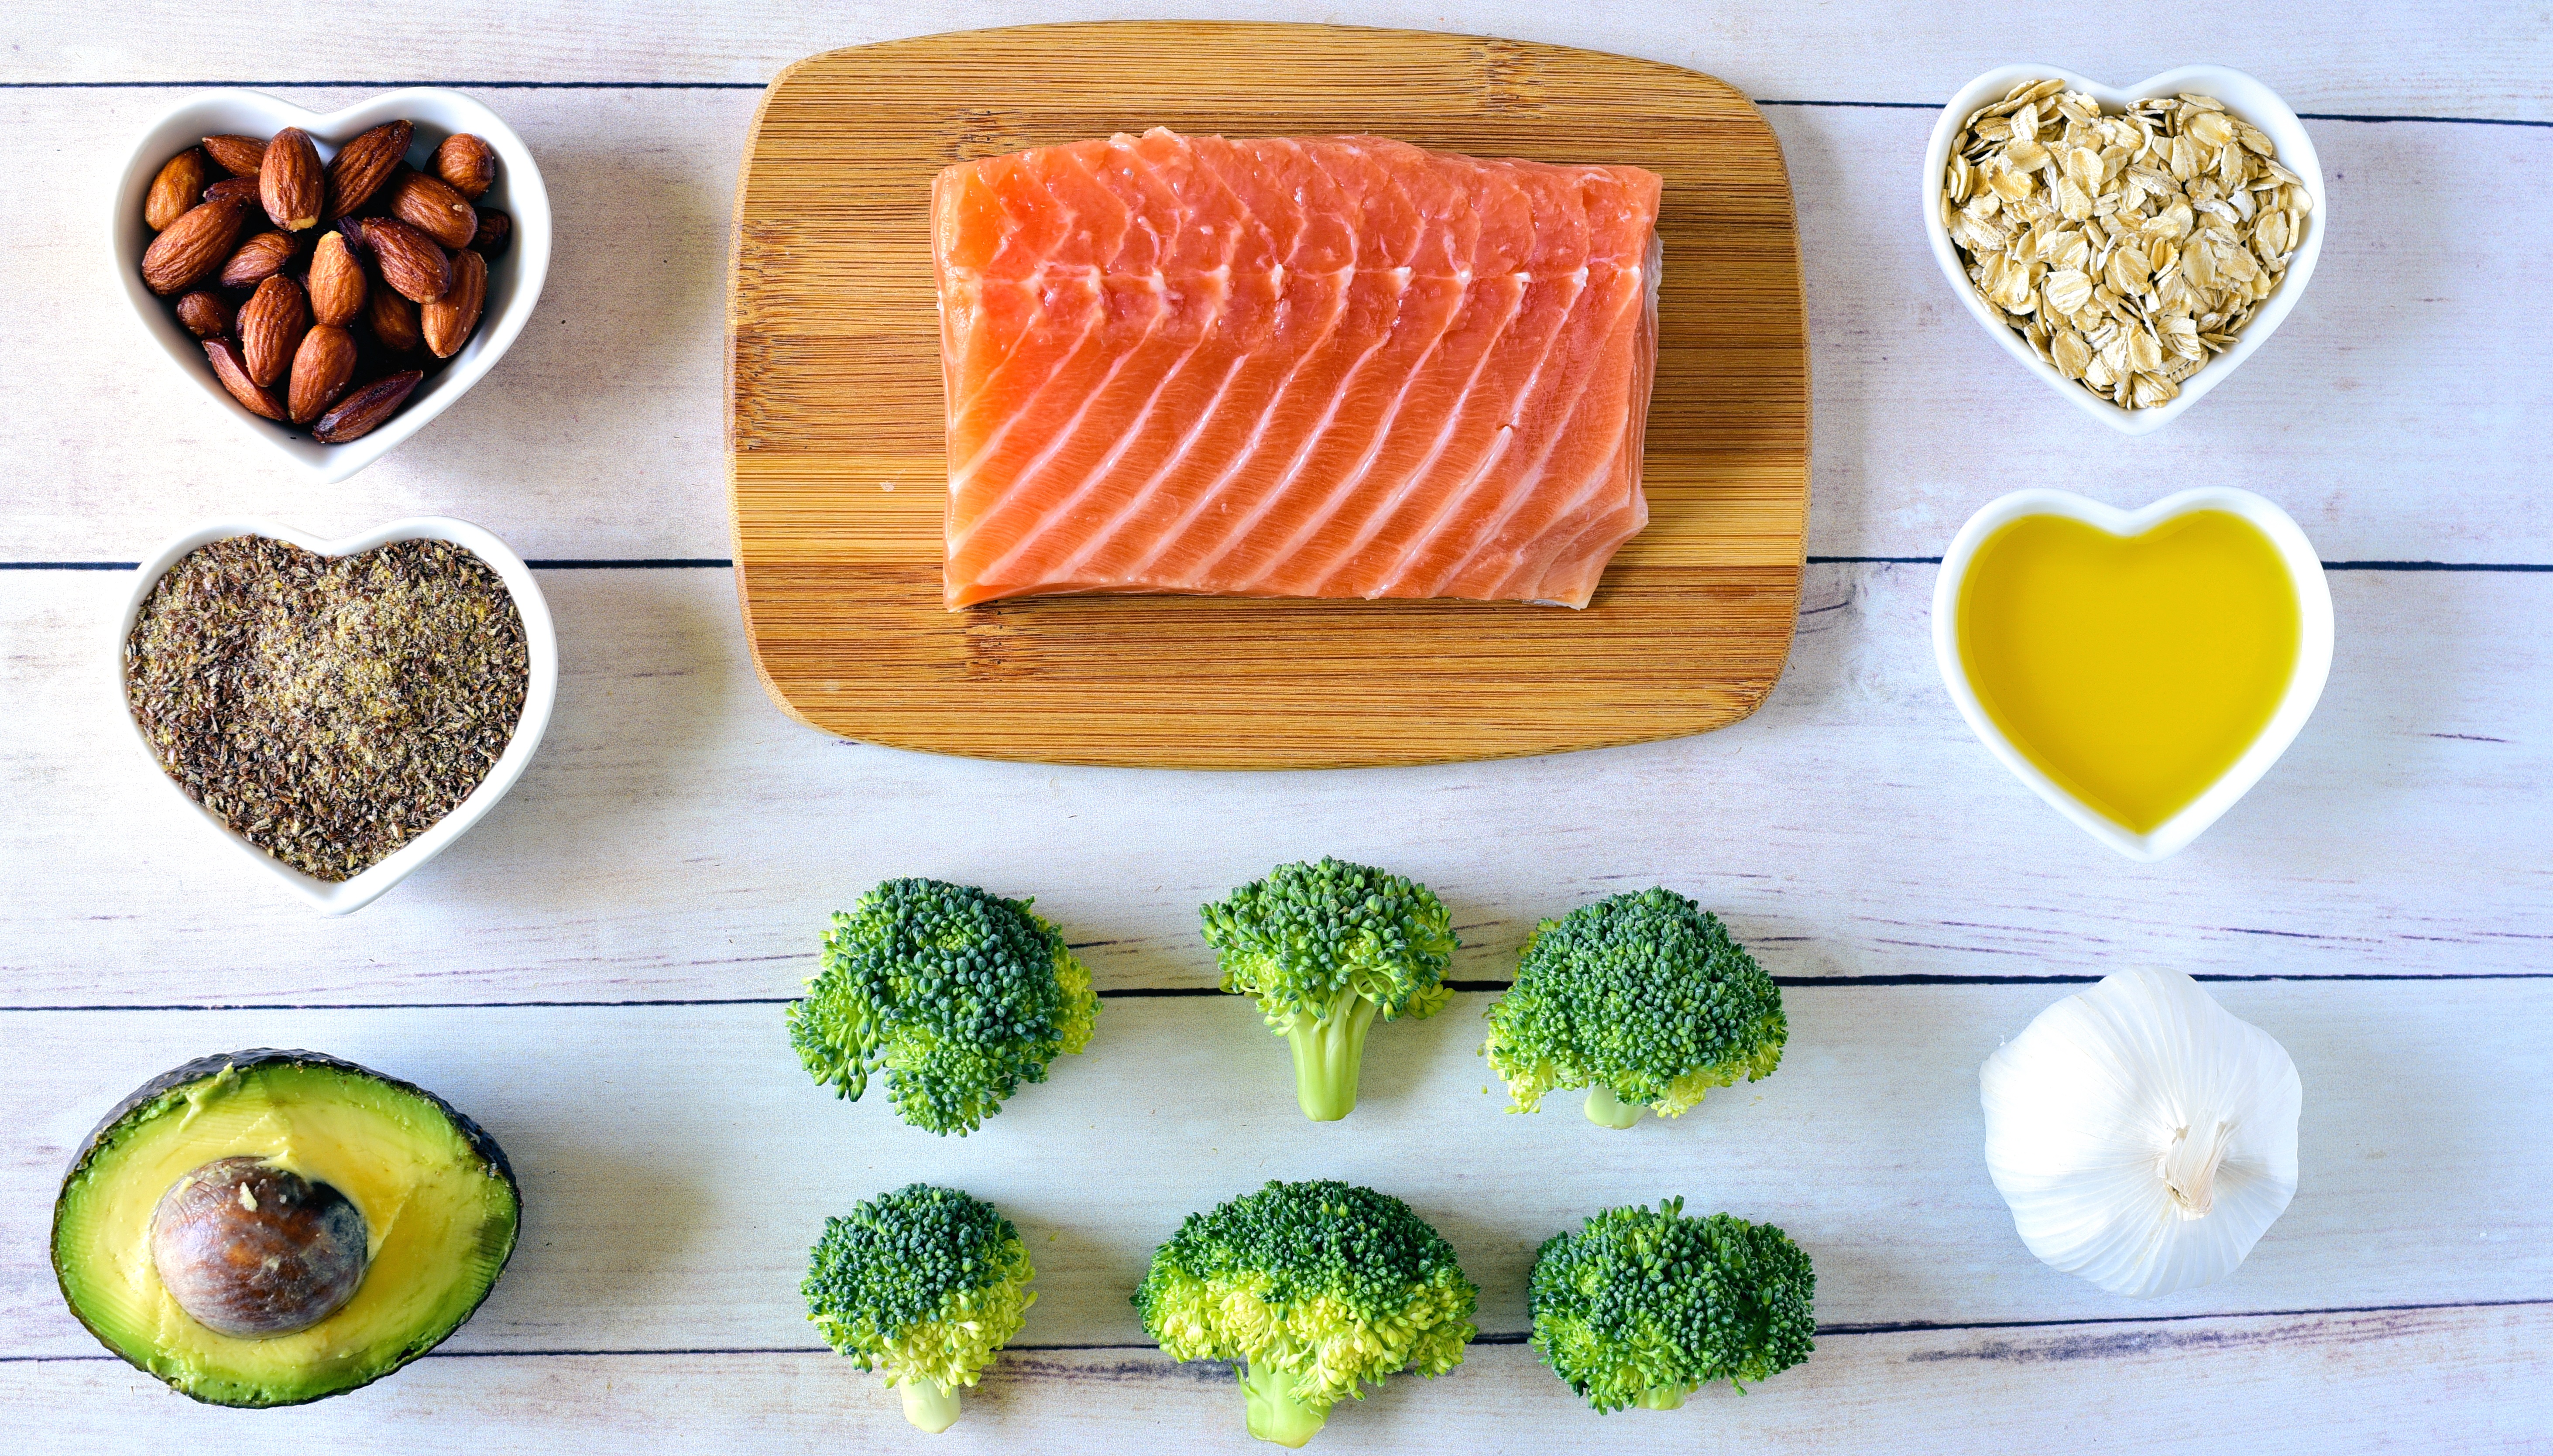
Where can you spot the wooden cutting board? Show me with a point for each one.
(839, 474)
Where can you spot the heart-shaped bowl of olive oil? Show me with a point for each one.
(2140, 670)
(337, 710)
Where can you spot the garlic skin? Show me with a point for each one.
(2145, 1137)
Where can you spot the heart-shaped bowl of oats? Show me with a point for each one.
(337, 710)
(2130, 246)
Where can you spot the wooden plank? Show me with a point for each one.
(2459, 61)
(2461, 1380)
(601, 433)
(677, 838)
(595, 437)
(2350, 418)
(835, 353)
(677, 1162)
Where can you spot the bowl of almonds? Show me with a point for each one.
(2131, 247)
(332, 281)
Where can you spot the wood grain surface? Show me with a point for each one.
(2263, 1385)
(677, 838)
(676, 1165)
(602, 433)
(1181, 1101)
(839, 469)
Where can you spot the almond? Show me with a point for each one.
(496, 230)
(240, 157)
(466, 164)
(379, 206)
(174, 190)
(409, 260)
(270, 325)
(320, 369)
(364, 165)
(361, 412)
(233, 373)
(336, 282)
(290, 181)
(447, 321)
(241, 190)
(261, 258)
(393, 321)
(432, 208)
(192, 249)
(205, 313)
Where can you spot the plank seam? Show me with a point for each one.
(722, 563)
(389, 84)
(2369, 118)
(632, 563)
(1166, 993)
(1495, 1337)
(1922, 1327)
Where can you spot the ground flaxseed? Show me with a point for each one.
(327, 709)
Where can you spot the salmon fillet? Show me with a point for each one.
(1317, 366)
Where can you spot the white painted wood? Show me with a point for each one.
(2463, 1380)
(679, 837)
(2422, 346)
(2450, 59)
(2409, 363)
(677, 1162)
(598, 434)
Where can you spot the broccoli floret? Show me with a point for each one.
(1647, 1305)
(959, 995)
(1312, 1289)
(1642, 999)
(1326, 947)
(925, 1284)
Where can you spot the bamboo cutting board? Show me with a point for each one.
(835, 446)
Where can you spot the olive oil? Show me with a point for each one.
(2134, 671)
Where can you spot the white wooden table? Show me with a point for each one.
(597, 971)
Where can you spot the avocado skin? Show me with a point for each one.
(481, 1145)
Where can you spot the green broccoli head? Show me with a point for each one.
(959, 995)
(1644, 1000)
(923, 1284)
(1315, 1289)
(1647, 1305)
(1327, 946)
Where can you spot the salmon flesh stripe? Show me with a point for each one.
(1292, 367)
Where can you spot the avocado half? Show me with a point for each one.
(438, 1200)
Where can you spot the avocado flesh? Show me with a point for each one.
(441, 1221)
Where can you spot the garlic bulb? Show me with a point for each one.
(2144, 1136)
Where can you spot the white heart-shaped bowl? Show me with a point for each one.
(2249, 100)
(540, 640)
(2304, 686)
(514, 276)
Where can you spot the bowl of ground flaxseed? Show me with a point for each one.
(339, 712)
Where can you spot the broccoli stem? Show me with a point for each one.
(1275, 1415)
(1607, 1110)
(930, 1405)
(1327, 1056)
(1663, 1397)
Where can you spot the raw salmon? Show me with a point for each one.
(1319, 366)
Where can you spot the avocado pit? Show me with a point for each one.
(254, 1251)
